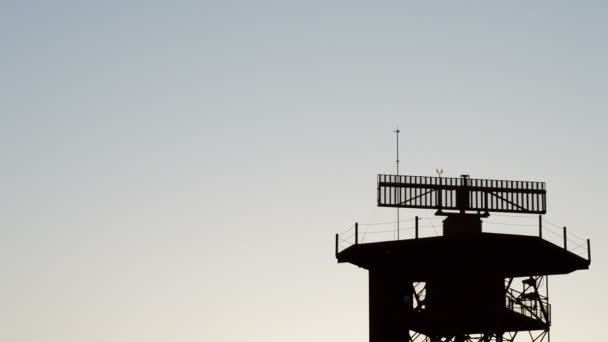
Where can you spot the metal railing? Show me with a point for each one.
(419, 227)
(363, 233)
(537, 308)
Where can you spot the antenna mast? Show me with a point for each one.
(399, 194)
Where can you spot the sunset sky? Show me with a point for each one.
(176, 170)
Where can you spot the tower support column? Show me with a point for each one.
(390, 306)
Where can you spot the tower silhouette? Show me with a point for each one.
(466, 285)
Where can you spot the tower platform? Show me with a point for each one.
(423, 259)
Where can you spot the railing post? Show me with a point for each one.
(565, 239)
(588, 250)
(379, 179)
(540, 226)
(337, 245)
(439, 193)
(416, 227)
(485, 201)
(356, 233)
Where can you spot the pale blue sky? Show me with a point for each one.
(175, 171)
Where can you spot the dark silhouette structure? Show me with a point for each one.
(466, 285)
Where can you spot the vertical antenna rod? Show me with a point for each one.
(399, 194)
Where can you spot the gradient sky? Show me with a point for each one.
(175, 171)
